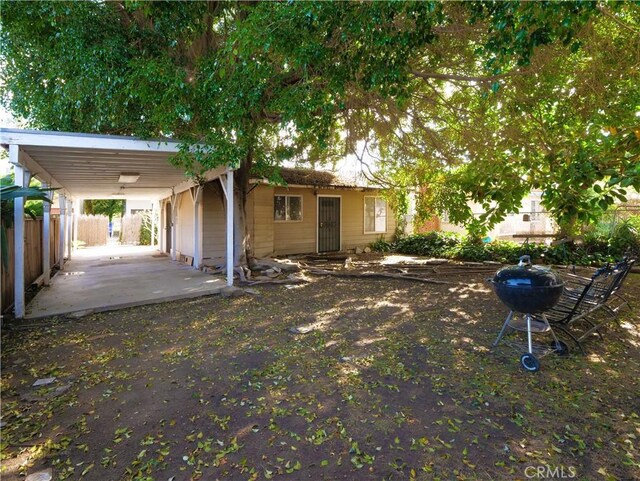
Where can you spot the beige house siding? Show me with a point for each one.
(298, 237)
(184, 233)
(353, 221)
(270, 237)
(260, 220)
(214, 224)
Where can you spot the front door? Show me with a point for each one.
(328, 224)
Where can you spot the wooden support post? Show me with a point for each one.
(154, 212)
(230, 204)
(21, 179)
(174, 219)
(62, 227)
(69, 227)
(46, 240)
(197, 226)
(76, 215)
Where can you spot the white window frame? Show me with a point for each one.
(364, 215)
(286, 208)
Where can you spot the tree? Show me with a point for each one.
(567, 124)
(8, 193)
(257, 83)
(108, 207)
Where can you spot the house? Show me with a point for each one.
(314, 212)
(531, 221)
(136, 206)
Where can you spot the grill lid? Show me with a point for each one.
(526, 275)
(526, 288)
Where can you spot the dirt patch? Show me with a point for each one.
(394, 381)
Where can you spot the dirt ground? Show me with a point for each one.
(390, 379)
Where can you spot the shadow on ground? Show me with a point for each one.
(394, 380)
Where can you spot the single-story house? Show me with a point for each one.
(314, 212)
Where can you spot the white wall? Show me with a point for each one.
(135, 204)
(514, 224)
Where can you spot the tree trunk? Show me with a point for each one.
(567, 227)
(242, 246)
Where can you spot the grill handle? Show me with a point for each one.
(524, 261)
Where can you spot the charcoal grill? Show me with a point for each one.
(526, 289)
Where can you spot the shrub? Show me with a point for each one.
(596, 249)
(381, 245)
(433, 244)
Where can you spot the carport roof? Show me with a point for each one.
(88, 166)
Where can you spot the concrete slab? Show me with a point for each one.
(115, 277)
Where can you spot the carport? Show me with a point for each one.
(88, 166)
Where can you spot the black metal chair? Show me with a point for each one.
(583, 297)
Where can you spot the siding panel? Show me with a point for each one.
(184, 234)
(260, 220)
(214, 224)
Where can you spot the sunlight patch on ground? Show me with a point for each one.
(379, 304)
(464, 290)
(371, 340)
(595, 358)
(463, 314)
(347, 371)
(396, 259)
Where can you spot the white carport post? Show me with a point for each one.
(154, 212)
(76, 214)
(69, 236)
(230, 203)
(63, 229)
(22, 177)
(197, 226)
(68, 228)
(174, 213)
(46, 239)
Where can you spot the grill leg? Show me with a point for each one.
(553, 334)
(504, 328)
(529, 340)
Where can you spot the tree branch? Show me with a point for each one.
(463, 78)
(608, 13)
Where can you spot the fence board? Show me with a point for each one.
(33, 257)
(131, 226)
(93, 230)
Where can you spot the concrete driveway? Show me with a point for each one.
(114, 277)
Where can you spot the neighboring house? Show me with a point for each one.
(136, 206)
(531, 221)
(315, 212)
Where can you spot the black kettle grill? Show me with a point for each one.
(528, 289)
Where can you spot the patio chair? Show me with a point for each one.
(583, 297)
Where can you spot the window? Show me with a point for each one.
(375, 215)
(287, 208)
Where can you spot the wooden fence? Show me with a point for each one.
(93, 230)
(131, 226)
(32, 256)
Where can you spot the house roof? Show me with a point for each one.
(89, 165)
(319, 178)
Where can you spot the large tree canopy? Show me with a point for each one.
(265, 82)
(567, 123)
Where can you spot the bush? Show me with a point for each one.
(433, 244)
(595, 250)
(381, 245)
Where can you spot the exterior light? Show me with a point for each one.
(128, 177)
